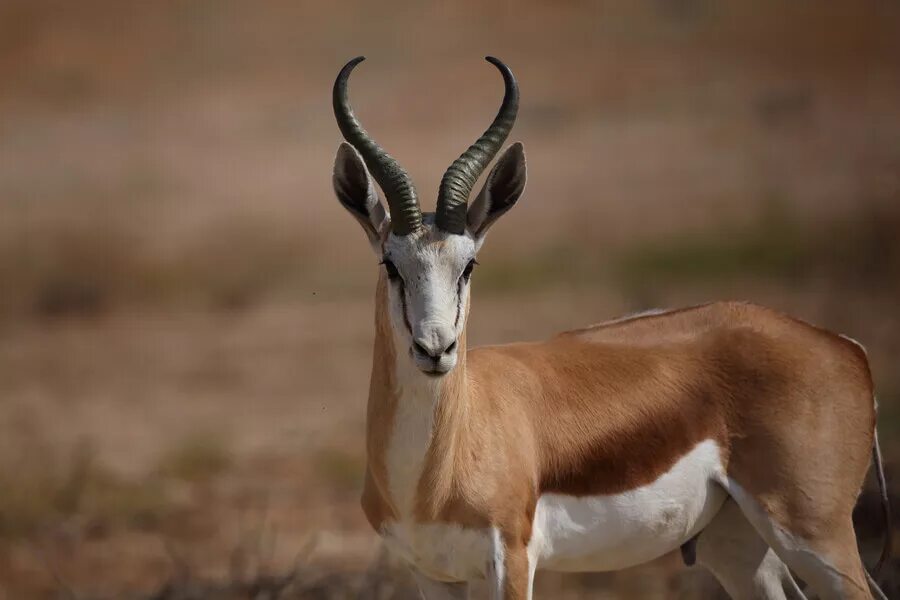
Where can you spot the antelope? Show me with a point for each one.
(730, 431)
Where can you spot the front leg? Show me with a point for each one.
(431, 589)
(510, 576)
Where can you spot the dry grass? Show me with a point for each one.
(88, 267)
(198, 457)
(340, 469)
(43, 488)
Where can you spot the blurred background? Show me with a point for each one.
(186, 311)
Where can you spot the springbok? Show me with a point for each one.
(733, 432)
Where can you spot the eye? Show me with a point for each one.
(467, 272)
(392, 272)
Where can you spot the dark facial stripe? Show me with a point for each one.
(459, 291)
(405, 309)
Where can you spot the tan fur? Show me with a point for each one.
(608, 408)
(380, 415)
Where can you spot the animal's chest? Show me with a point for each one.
(406, 449)
(443, 551)
(601, 533)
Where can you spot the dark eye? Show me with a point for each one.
(391, 269)
(467, 272)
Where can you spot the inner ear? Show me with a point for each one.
(352, 184)
(501, 191)
(355, 190)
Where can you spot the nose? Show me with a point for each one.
(433, 349)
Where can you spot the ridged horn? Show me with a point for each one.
(406, 217)
(457, 183)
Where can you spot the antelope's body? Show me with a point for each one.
(727, 429)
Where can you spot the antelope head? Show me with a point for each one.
(428, 258)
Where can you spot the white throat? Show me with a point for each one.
(417, 398)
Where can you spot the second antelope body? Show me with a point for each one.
(729, 430)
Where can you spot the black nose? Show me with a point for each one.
(433, 353)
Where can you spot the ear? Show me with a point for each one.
(500, 192)
(356, 192)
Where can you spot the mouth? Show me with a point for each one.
(430, 367)
(434, 373)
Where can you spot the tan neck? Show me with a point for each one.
(431, 412)
(449, 433)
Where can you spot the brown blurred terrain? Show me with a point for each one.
(185, 310)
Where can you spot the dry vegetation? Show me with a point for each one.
(185, 311)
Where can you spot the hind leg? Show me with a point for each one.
(827, 560)
(741, 561)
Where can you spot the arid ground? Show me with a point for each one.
(186, 311)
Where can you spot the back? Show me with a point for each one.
(628, 398)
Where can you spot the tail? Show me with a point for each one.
(886, 511)
(885, 508)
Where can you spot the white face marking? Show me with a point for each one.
(602, 533)
(429, 295)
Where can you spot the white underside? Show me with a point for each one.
(603, 533)
(592, 533)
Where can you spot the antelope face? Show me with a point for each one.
(428, 259)
(428, 278)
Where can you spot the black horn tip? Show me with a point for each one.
(345, 70)
(507, 73)
(497, 62)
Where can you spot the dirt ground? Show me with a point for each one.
(186, 311)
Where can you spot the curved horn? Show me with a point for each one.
(457, 183)
(406, 217)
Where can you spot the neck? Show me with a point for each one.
(414, 421)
